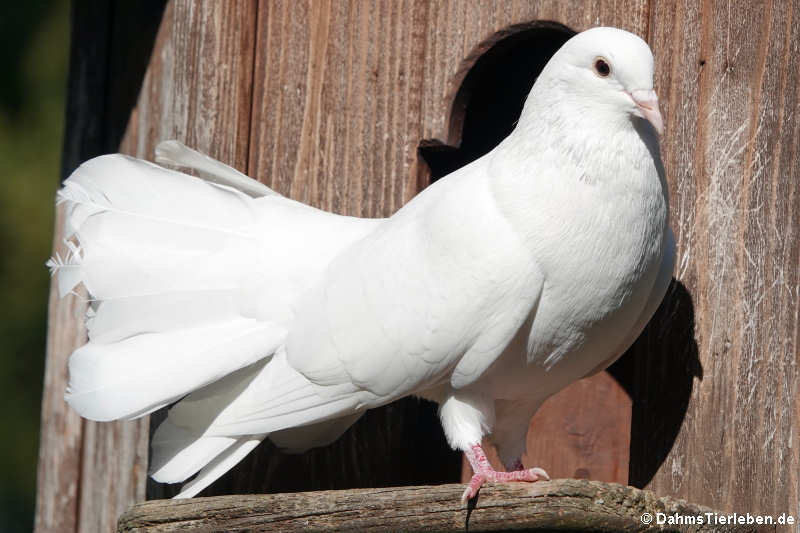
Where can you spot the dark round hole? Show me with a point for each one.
(488, 103)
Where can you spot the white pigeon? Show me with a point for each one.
(494, 288)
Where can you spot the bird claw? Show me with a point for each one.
(536, 471)
(484, 472)
(474, 486)
(478, 479)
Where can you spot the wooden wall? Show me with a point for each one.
(327, 102)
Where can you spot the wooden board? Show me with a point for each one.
(89, 473)
(728, 79)
(547, 506)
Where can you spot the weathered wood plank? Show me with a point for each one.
(198, 86)
(89, 473)
(113, 465)
(60, 436)
(335, 123)
(197, 89)
(561, 505)
(728, 78)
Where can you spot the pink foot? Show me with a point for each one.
(484, 472)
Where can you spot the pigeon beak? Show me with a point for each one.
(647, 107)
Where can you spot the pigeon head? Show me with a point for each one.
(602, 74)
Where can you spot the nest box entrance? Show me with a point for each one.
(488, 102)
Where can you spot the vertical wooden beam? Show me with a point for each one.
(198, 84)
(90, 473)
(335, 123)
(197, 89)
(728, 79)
(60, 435)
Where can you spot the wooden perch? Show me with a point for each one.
(561, 505)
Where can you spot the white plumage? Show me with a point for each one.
(531, 267)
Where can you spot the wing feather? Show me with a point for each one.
(401, 309)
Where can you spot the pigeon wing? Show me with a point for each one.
(432, 296)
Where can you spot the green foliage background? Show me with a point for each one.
(34, 50)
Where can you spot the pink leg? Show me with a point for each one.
(484, 472)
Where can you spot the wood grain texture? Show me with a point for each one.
(89, 473)
(198, 85)
(61, 428)
(560, 505)
(197, 89)
(728, 77)
(584, 431)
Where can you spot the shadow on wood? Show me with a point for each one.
(658, 373)
(560, 505)
(379, 450)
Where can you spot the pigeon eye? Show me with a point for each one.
(601, 67)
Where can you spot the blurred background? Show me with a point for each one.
(34, 51)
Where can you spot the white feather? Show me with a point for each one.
(67, 268)
(177, 154)
(303, 438)
(188, 454)
(221, 464)
(116, 319)
(176, 269)
(149, 370)
(269, 397)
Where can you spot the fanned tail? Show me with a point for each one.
(191, 284)
(168, 261)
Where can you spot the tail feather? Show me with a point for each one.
(261, 399)
(127, 378)
(178, 454)
(138, 189)
(303, 438)
(264, 398)
(177, 154)
(192, 285)
(221, 464)
(117, 319)
(67, 268)
(127, 216)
